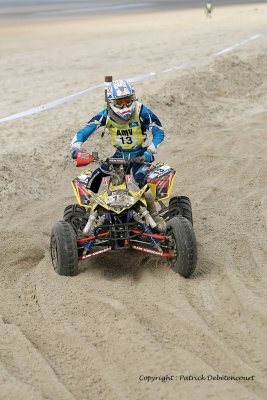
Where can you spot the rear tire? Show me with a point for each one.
(181, 205)
(184, 244)
(63, 249)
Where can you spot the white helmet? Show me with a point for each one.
(121, 98)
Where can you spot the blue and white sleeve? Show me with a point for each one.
(151, 122)
(82, 135)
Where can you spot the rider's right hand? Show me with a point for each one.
(73, 154)
(75, 148)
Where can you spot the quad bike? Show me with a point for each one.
(116, 217)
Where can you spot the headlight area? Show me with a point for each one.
(120, 199)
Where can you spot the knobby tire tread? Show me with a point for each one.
(67, 263)
(185, 263)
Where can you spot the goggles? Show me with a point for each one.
(124, 102)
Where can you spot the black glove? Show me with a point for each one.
(74, 154)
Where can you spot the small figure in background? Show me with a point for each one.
(208, 9)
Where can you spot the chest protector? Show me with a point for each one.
(128, 134)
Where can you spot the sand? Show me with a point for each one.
(127, 316)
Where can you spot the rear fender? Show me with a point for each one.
(160, 181)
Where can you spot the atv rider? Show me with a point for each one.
(127, 121)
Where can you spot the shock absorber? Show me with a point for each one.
(153, 240)
(149, 220)
(101, 220)
(90, 244)
(89, 225)
(138, 218)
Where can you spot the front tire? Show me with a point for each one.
(63, 249)
(184, 245)
(181, 205)
(76, 216)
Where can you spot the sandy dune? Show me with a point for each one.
(126, 315)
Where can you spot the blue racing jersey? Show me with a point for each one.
(128, 140)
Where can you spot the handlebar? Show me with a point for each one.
(85, 158)
(123, 161)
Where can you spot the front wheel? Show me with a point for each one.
(63, 249)
(183, 245)
(181, 205)
(76, 216)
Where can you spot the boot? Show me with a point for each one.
(151, 206)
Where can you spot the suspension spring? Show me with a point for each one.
(153, 240)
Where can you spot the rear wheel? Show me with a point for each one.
(63, 249)
(183, 245)
(181, 205)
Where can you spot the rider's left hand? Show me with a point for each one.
(152, 149)
(148, 157)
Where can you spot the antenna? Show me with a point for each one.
(108, 78)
